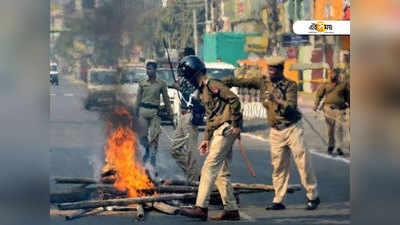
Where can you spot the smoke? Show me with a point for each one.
(97, 163)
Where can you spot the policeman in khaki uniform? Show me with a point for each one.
(148, 100)
(223, 124)
(279, 97)
(337, 101)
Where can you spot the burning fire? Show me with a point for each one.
(121, 155)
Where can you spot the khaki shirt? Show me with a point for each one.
(284, 89)
(149, 92)
(221, 106)
(335, 94)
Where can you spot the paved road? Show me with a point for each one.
(77, 139)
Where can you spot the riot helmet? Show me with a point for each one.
(190, 67)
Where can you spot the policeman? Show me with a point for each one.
(279, 97)
(337, 100)
(148, 101)
(186, 132)
(223, 124)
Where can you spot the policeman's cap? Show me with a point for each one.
(276, 61)
(151, 65)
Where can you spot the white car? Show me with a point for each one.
(218, 70)
(129, 84)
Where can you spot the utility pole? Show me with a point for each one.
(212, 16)
(183, 36)
(196, 47)
(207, 27)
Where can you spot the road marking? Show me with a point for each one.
(68, 94)
(313, 151)
(246, 217)
(254, 137)
(330, 157)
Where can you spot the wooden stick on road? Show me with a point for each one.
(246, 159)
(123, 202)
(83, 213)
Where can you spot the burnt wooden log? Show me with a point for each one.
(109, 173)
(175, 186)
(164, 208)
(75, 180)
(122, 202)
(84, 193)
(83, 213)
(265, 187)
(123, 209)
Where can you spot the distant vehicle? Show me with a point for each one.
(218, 70)
(54, 74)
(129, 84)
(102, 85)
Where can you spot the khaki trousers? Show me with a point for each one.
(216, 169)
(149, 138)
(335, 119)
(283, 142)
(184, 147)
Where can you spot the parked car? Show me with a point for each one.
(102, 86)
(54, 74)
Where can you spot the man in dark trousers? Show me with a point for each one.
(184, 144)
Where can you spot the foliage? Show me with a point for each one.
(145, 26)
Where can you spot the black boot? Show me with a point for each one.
(339, 152)
(312, 204)
(275, 206)
(330, 150)
(196, 212)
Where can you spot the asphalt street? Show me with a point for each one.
(77, 141)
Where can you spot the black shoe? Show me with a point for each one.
(275, 206)
(313, 204)
(339, 152)
(330, 150)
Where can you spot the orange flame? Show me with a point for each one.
(121, 155)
